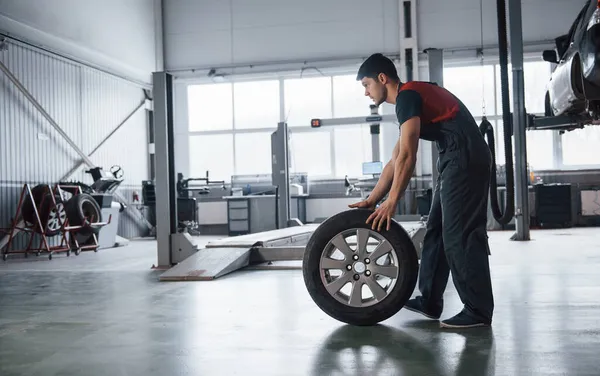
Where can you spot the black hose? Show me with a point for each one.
(487, 130)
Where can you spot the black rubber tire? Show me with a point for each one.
(43, 201)
(27, 211)
(407, 278)
(80, 207)
(84, 187)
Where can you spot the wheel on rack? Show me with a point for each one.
(27, 208)
(357, 275)
(52, 217)
(83, 207)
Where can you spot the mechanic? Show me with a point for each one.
(456, 239)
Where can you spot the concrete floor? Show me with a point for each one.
(106, 314)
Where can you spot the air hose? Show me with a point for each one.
(487, 130)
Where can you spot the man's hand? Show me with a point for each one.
(383, 215)
(363, 204)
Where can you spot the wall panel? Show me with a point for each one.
(213, 33)
(88, 105)
(120, 36)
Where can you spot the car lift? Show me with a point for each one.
(558, 123)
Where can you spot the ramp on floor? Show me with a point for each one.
(224, 256)
(227, 255)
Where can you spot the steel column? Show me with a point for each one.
(519, 122)
(281, 173)
(435, 60)
(409, 43)
(375, 129)
(166, 201)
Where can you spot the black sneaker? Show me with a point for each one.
(462, 321)
(416, 305)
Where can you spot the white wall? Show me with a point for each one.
(457, 23)
(201, 33)
(88, 105)
(206, 33)
(117, 35)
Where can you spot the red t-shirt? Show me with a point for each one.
(432, 103)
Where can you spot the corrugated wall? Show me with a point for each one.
(88, 105)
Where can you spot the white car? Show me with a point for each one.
(574, 87)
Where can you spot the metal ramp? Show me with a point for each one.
(224, 256)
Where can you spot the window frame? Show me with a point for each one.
(491, 112)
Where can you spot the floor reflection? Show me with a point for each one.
(383, 350)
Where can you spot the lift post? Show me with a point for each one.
(280, 170)
(435, 61)
(519, 122)
(172, 247)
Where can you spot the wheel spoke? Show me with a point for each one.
(337, 285)
(340, 243)
(362, 237)
(378, 292)
(383, 248)
(356, 294)
(329, 263)
(388, 271)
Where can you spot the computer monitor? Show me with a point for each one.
(372, 168)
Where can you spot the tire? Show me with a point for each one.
(52, 217)
(27, 208)
(49, 215)
(79, 208)
(401, 254)
(84, 187)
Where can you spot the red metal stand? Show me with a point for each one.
(65, 233)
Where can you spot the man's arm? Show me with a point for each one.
(385, 179)
(409, 106)
(406, 160)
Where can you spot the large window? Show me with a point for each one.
(477, 86)
(256, 104)
(210, 107)
(352, 147)
(310, 153)
(580, 147)
(472, 85)
(349, 97)
(213, 153)
(307, 98)
(230, 124)
(252, 153)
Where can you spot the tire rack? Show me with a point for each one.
(39, 229)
